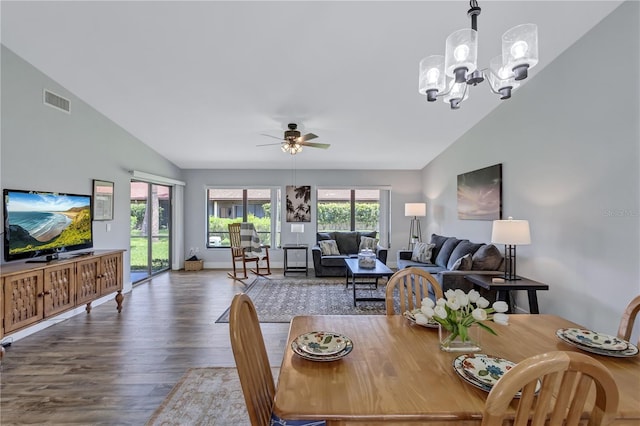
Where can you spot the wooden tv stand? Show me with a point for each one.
(33, 292)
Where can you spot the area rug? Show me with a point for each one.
(279, 300)
(205, 396)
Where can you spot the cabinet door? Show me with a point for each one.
(59, 288)
(110, 273)
(87, 280)
(23, 299)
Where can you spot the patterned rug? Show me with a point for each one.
(279, 300)
(204, 396)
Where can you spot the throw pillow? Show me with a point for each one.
(325, 236)
(347, 242)
(462, 264)
(445, 251)
(328, 247)
(438, 241)
(368, 243)
(487, 258)
(422, 252)
(465, 247)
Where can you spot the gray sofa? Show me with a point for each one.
(451, 259)
(348, 242)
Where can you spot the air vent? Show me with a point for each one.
(57, 101)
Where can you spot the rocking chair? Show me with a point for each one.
(246, 248)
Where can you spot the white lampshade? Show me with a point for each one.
(297, 228)
(501, 78)
(461, 52)
(415, 209)
(520, 49)
(457, 94)
(511, 232)
(432, 78)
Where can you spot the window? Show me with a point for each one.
(228, 205)
(343, 209)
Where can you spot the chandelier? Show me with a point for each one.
(451, 75)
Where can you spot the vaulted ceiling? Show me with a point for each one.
(201, 82)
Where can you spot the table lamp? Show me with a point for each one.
(415, 210)
(510, 232)
(297, 228)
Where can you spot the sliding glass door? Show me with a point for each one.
(150, 237)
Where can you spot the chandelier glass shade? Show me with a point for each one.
(449, 76)
(292, 147)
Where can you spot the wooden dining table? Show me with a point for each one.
(397, 374)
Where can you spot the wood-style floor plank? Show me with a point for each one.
(106, 368)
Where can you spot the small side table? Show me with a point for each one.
(288, 268)
(505, 287)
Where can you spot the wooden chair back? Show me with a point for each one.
(234, 238)
(252, 361)
(628, 318)
(567, 378)
(413, 286)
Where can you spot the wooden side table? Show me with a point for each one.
(288, 268)
(503, 288)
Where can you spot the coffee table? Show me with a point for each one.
(381, 270)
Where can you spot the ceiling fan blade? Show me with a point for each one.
(316, 145)
(271, 136)
(307, 137)
(269, 144)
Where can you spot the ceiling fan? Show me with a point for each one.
(292, 142)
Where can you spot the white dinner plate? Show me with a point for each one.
(324, 343)
(593, 339)
(410, 315)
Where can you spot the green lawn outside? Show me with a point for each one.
(139, 252)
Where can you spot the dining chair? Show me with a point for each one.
(241, 252)
(413, 285)
(252, 362)
(566, 379)
(628, 319)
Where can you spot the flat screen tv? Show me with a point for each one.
(43, 224)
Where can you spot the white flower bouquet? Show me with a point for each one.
(460, 310)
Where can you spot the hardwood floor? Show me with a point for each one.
(106, 368)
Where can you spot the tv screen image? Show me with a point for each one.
(45, 223)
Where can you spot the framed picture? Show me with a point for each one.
(480, 194)
(298, 203)
(102, 200)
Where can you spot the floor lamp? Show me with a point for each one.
(415, 210)
(510, 232)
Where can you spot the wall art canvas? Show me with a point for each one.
(298, 203)
(480, 194)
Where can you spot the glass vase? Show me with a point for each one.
(454, 343)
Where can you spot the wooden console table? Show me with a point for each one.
(34, 292)
(503, 288)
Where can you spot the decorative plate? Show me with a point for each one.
(315, 357)
(595, 340)
(321, 343)
(485, 368)
(632, 350)
(458, 366)
(410, 315)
